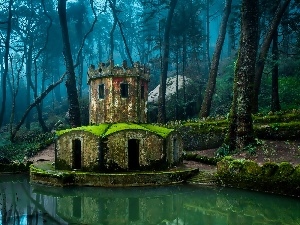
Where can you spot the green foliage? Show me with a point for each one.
(223, 151)
(224, 88)
(289, 86)
(27, 145)
(15, 167)
(289, 93)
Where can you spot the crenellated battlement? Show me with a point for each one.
(109, 69)
(118, 93)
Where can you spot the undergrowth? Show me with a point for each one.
(26, 145)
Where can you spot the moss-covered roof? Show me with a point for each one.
(103, 130)
(98, 130)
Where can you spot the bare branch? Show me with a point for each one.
(38, 100)
(89, 31)
(121, 30)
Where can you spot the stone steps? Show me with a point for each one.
(202, 177)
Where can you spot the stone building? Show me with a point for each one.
(118, 138)
(118, 94)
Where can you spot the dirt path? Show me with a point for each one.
(48, 154)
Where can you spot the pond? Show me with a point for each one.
(25, 203)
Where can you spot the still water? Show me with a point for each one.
(23, 203)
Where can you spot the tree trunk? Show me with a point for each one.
(210, 88)
(111, 33)
(184, 53)
(28, 56)
(165, 62)
(231, 35)
(116, 19)
(6, 53)
(74, 110)
(177, 74)
(207, 34)
(275, 105)
(285, 32)
(260, 64)
(240, 133)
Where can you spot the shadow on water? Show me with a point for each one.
(22, 203)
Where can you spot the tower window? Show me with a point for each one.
(124, 90)
(142, 92)
(101, 91)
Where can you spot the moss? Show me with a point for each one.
(269, 169)
(296, 175)
(15, 167)
(103, 130)
(278, 131)
(285, 169)
(98, 130)
(62, 165)
(206, 127)
(252, 168)
(161, 131)
(282, 178)
(123, 126)
(277, 117)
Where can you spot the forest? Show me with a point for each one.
(225, 59)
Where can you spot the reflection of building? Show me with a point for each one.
(118, 138)
(145, 209)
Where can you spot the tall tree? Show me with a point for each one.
(74, 110)
(210, 88)
(111, 33)
(165, 64)
(275, 104)
(240, 133)
(260, 64)
(4, 75)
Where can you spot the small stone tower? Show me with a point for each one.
(118, 93)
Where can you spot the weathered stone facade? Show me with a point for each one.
(87, 145)
(118, 94)
(127, 149)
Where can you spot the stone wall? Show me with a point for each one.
(89, 150)
(150, 148)
(174, 146)
(112, 107)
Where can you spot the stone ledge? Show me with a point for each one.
(123, 179)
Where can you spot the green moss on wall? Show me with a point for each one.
(271, 177)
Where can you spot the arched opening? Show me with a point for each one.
(133, 154)
(175, 150)
(76, 145)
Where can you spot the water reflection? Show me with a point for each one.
(22, 203)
